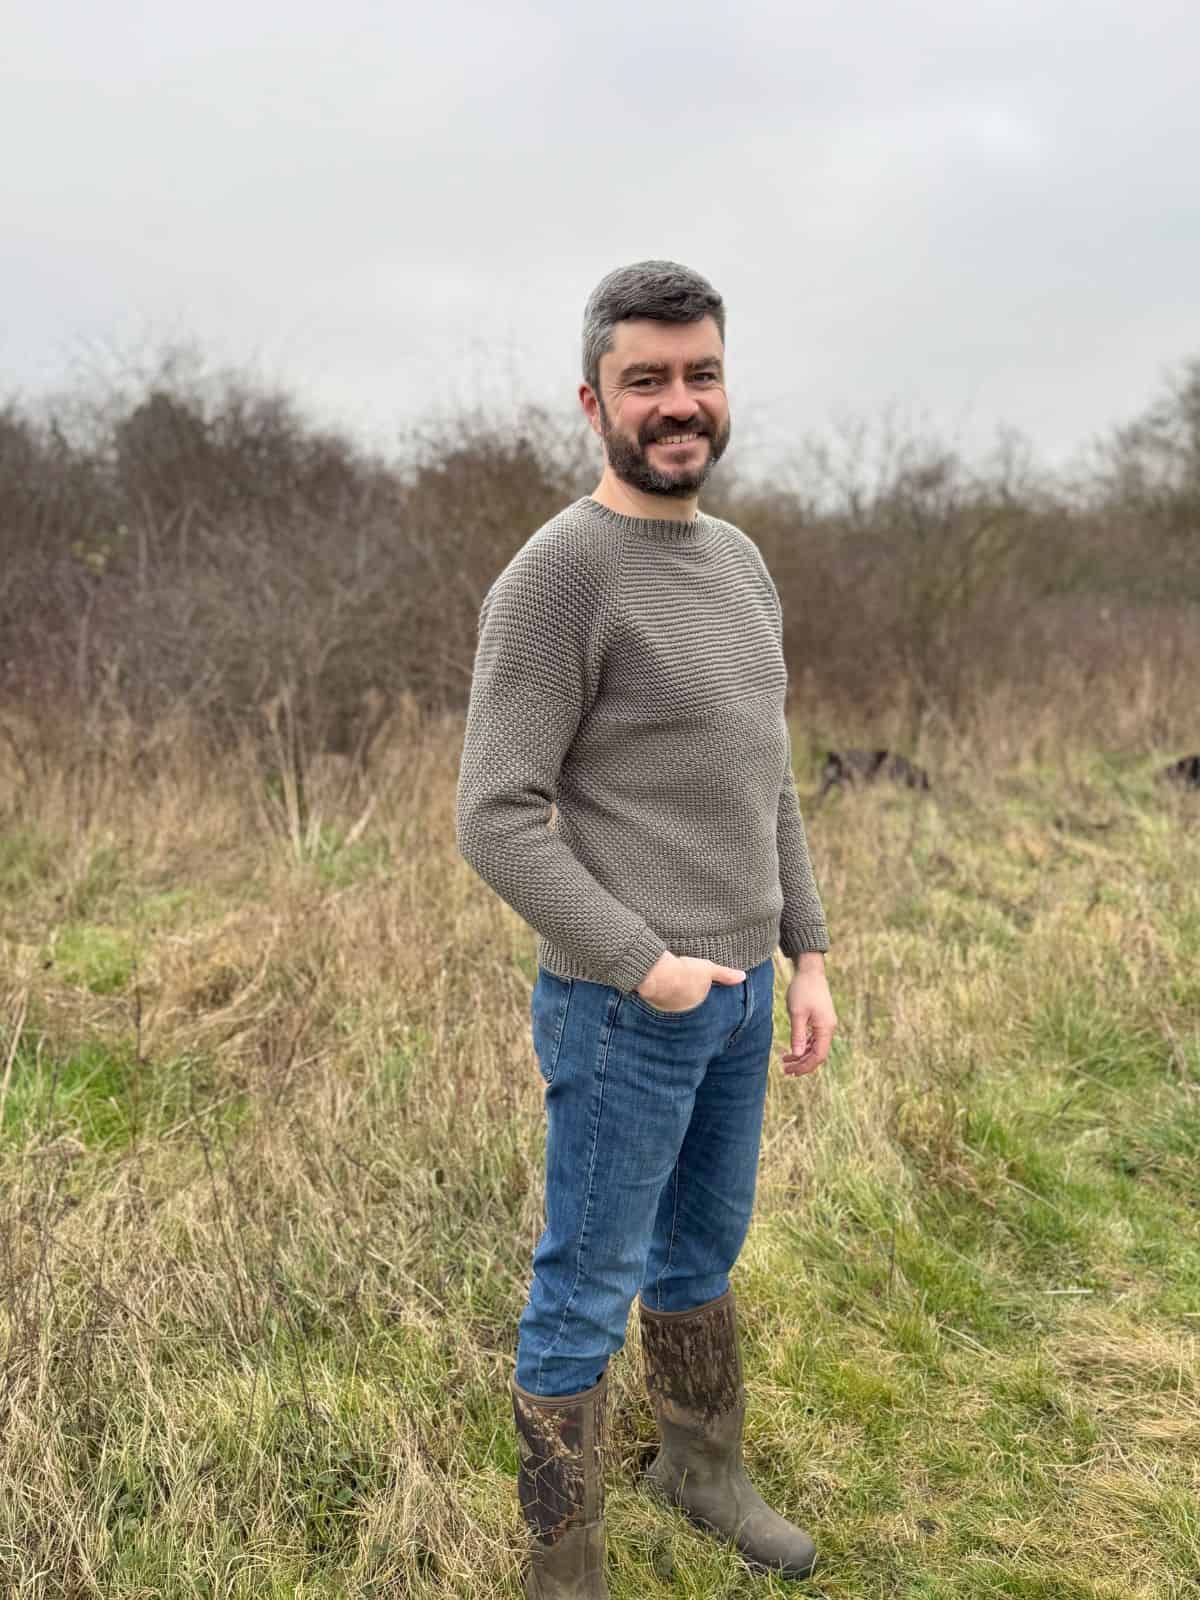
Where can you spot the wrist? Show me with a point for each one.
(656, 971)
(809, 961)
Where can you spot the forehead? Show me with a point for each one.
(673, 343)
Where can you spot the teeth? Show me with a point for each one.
(679, 438)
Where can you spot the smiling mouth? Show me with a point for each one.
(679, 438)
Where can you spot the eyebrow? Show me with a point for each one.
(640, 369)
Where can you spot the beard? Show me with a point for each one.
(627, 457)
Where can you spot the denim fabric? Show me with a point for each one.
(653, 1122)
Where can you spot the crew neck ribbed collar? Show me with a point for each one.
(664, 529)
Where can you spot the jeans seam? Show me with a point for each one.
(749, 1012)
(587, 1209)
(666, 1267)
(561, 1032)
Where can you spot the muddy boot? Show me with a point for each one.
(561, 1488)
(694, 1376)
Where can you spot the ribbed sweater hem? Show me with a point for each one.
(744, 948)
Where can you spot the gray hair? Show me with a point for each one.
(661, 290)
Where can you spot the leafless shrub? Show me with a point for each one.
(192, 547)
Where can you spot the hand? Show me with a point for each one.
(814, 1022)
(677, 983)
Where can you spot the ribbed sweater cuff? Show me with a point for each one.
(637, 960)
(798, 941)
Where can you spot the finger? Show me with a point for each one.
(816, 1051)
(799, 1066)
(822, 1041)
(802, 1032)
(800, 1069)
(802, 1037)
(805, 1061)
(801, 1045)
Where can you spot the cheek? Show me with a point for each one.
(630, 415)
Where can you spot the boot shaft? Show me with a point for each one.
(560, 1483)
(692, 1359)
(693, 1373)
(560, 1479)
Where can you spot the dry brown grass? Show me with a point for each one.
(270, 1181)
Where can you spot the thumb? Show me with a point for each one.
(727, 974)
(802, 1032)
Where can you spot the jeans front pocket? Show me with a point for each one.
(548, 1015)
(668, 1016)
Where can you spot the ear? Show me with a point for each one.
(591, 407)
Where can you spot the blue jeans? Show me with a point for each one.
(653, 1122)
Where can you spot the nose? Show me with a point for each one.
(678, 402)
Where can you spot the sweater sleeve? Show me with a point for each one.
(536, 670)
(802, 922)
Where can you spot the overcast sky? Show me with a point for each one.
(981, 213)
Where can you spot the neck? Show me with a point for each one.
(618, 495)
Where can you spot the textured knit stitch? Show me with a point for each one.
(630, 670)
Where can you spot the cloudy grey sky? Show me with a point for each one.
(980, 213)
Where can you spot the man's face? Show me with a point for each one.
(661, 409)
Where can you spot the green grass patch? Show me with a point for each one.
(29, 860)
(84, 1094)
(101, 959)
(101, 1094)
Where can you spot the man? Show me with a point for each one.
(630, 668)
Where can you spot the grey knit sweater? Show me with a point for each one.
(631, 671)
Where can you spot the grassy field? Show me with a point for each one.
(270, 1144)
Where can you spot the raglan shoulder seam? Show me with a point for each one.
(745, 542)
(572, 542)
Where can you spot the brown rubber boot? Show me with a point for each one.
(694, 1375)
(561, 1487)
